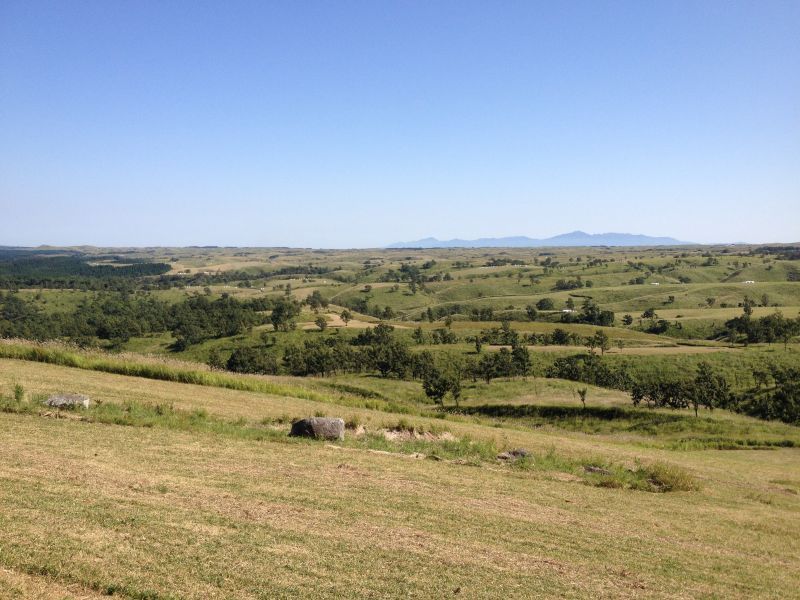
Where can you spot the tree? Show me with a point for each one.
(251, 360)
(321, 322)
(530, 310)
(708, 389)
(582, 395)
(627, 320)
(422, 364)
(602, 341)
(521, 360)
(747, 306)
(346, 316)
(315, 301)
(215, 361)
(389, 356)
(437, 383)
(486, 368)
(545, 304)
(283, 314)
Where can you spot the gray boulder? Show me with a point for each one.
(68, 401)
(513, 454)
(321, 428)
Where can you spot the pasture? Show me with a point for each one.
(180, 480)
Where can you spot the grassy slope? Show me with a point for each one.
(90, 507)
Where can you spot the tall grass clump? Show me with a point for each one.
(599, 472)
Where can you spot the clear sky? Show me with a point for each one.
(347, 124)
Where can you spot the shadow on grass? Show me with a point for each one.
(674, 430)
(554, 414)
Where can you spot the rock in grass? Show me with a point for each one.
(596, 470)
(321, 428)
(513, 454)
(68, 401)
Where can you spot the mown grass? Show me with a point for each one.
(165, 371)
(528, 403)
(420, 441)
(183, 507)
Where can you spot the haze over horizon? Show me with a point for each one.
(361, 125)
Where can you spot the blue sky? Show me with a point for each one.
(350, 124)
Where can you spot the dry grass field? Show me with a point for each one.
(90, 508)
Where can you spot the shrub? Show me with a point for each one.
(663, 477)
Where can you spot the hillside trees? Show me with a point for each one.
(706, 389)
(284, 313)
(252, 360)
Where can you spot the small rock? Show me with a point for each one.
(513, 454)
(68, 401)
(596, 470)
(321, 428)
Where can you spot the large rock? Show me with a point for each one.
(321, 428)
(68, 401)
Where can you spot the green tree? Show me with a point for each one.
(215, 361)
(251, 360)
(531, 311)
(582, 395)
(521, 360)
(437, 383)
(283, 314)
(602, 341)
(315, 301)
(708, 389)
(545, 304)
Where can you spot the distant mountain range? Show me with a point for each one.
(575, 238)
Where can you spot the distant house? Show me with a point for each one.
(655, 283)
(749, 281)
(567, 310)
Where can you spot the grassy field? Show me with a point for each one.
(181, 481)
(198, 507)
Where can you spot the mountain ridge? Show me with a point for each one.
(573, 238)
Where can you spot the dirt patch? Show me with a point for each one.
(335, 321)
